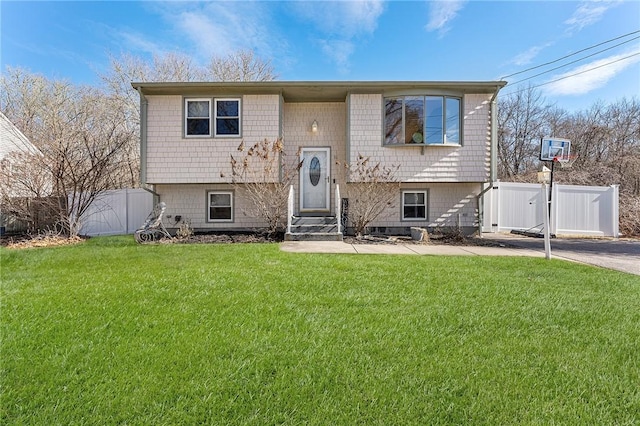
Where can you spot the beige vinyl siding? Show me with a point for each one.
(469, 162)
(172, 158)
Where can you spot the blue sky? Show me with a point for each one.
(346, 40)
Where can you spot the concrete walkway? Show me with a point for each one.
(412, 249)
(620, 255)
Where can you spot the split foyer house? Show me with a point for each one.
(442, 135)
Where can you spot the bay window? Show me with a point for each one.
(422, 120)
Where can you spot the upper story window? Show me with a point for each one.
(201, 112)
(227, 117)
(197, 117)
(422, 120)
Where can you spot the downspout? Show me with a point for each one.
(493, 159)
(143, 139)
(144, 103)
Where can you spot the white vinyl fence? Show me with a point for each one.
(117, 212)
(575, 210)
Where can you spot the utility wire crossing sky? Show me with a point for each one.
(348, 40)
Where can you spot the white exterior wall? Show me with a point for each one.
(172, 158)
(331, 118)
(469, 162)
(184, 169)
(448, 204)
(190, 202)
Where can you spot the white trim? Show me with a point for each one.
(426, 203)
(186, 116)
(230, 193)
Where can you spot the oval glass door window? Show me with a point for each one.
(314, 171)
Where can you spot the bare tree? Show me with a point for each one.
(604, 137)
(371, 191)
(262, 173)
(240, 66)
(522, 121)
(83, 136)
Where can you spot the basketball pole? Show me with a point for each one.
(553, 165)
(547, 220)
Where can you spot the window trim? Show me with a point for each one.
(186, 117)
(444, 98)
(215, 118)
(208, 206)
(426, 205)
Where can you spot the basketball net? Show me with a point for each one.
(565, 162)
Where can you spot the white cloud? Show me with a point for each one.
(441, 13)
(340, 24)
(135, 41)
(588, 13)
(592, 76)
(339, 51)
(220, 28)
(527, 56)
(209, 37)
(341, 19)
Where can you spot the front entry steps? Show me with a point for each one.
(313, 228)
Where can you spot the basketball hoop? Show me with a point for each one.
(566, 162)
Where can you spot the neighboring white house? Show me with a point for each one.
(442, 135)
(20, 176)
(13, 143)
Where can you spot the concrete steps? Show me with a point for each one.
(314, 228)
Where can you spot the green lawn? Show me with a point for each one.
(110, 332)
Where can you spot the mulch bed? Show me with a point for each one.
(28, 241)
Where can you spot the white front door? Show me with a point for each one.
(314, 180)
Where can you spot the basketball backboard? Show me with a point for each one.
(555, 149)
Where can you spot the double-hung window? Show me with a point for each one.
(414, 205)
(205, 117)
(227, 117)
(219, 206)
(422, 120)
(197, 117)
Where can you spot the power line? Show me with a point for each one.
(573, 75)
(573, 62)
(572, 54)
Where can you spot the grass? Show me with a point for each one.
(110, 332)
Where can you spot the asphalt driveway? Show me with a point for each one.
(622, 255)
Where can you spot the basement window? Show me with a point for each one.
(220, 206)
(414, 205)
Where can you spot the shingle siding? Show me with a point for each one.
(469, 162)
(182, 170)
(171, 158)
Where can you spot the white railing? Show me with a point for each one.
(338, 209)
(289, 209)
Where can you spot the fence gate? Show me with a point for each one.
(117, 212)
(575, 210)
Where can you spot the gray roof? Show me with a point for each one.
(12, 139)
(314, 91)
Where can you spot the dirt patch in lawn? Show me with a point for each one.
(32, 241)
